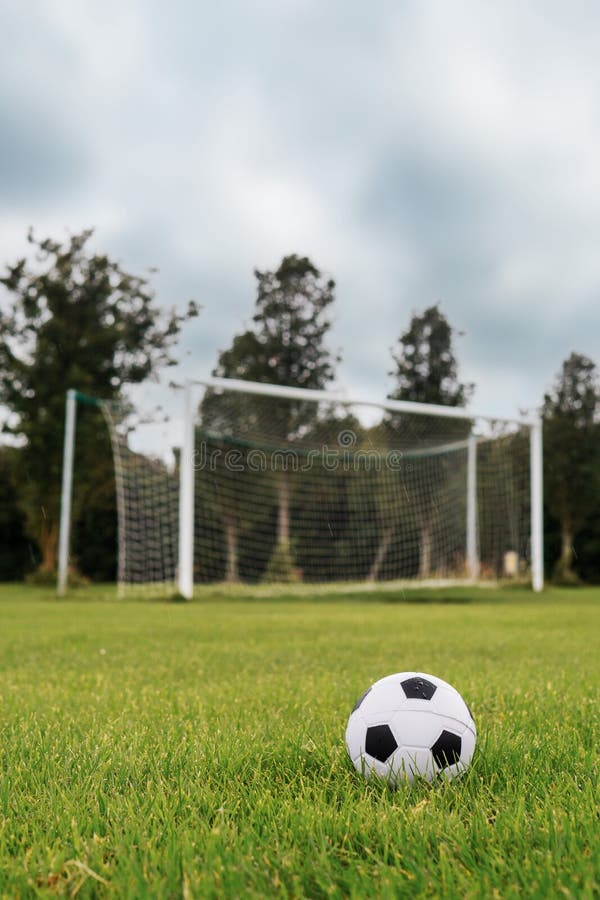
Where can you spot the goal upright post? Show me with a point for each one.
(66, 494)
(537, 504)
(185, 567)
(472, 550)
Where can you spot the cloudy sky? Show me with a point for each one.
(418, 151)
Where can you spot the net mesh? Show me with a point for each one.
(313, 491)
(147, 507)
(289, 491)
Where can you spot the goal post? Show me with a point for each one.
(472, 547)
(66, 495)
(185, 573)
(72, 399)
(147, 493)
(472, 568)
(537, 503)
(278, 484)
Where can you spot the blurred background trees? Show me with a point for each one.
(572, 464)
(18, 554)
(73, 317)
(286, 345)
(426, 371)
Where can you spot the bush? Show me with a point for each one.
(564, 576)
(280, 568)
(46, 578)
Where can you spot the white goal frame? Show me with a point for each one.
(185, 569)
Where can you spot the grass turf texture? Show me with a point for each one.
(165, 750)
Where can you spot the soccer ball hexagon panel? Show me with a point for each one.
(411, 725)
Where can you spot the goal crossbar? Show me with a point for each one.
(240, 386)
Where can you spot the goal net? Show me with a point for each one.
(258, 484)
(147, 489)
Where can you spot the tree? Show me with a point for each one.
(77, 319)
(292, 324)
(285, 346)
(426, 365)
(426, 371)
(572, 453)
(95, 534)
(17, 555)
(225, 417)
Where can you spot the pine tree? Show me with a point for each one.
(286, 346)
(426, 371)
(224, 417)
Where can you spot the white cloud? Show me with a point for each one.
(416, 152)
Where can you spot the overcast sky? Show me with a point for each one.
(417, 151)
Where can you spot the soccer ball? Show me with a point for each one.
(409, 726)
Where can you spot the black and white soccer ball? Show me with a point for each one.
(409, 726)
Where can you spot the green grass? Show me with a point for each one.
(197, 750)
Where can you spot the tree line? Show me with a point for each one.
(74, 318)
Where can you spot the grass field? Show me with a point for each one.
(197, 750)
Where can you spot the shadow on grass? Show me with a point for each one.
(369, 597)
(247, 594)
(425, 597)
